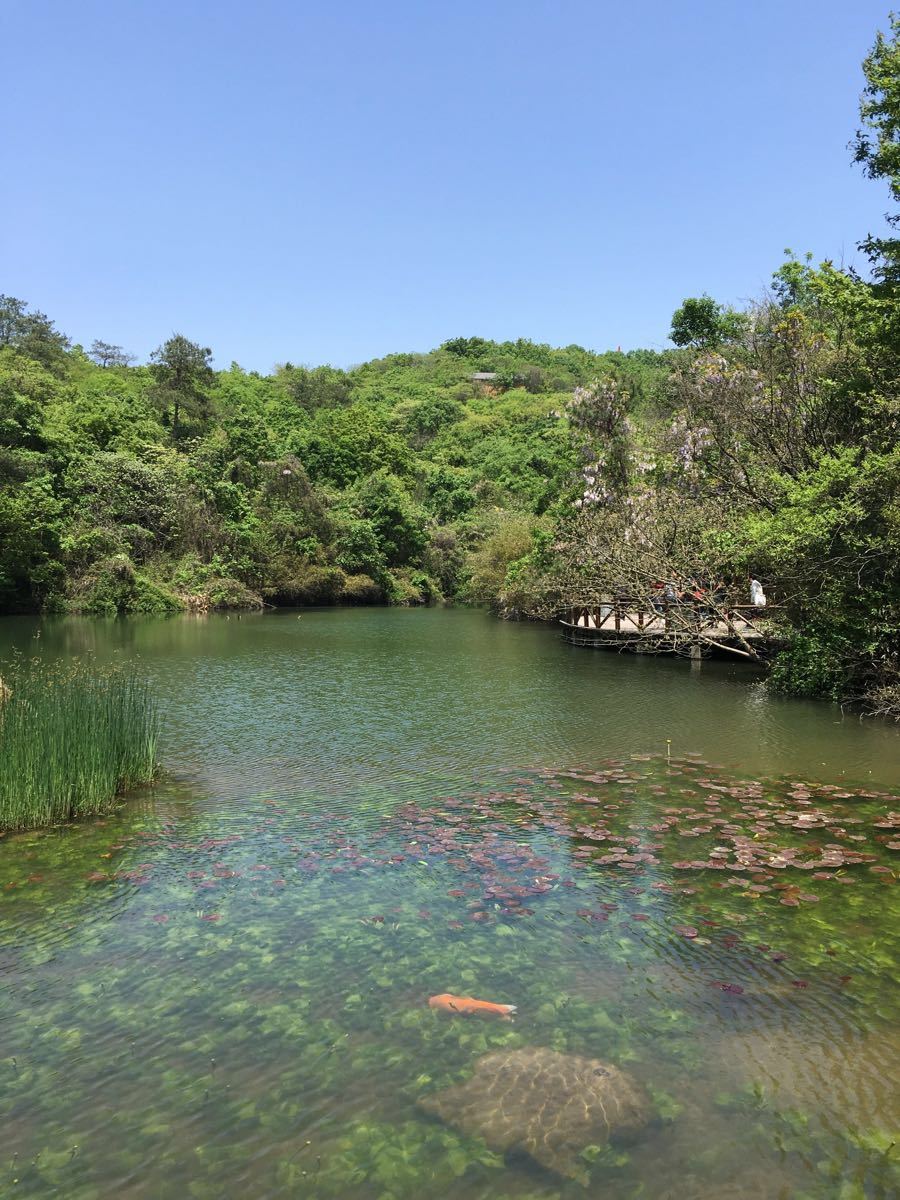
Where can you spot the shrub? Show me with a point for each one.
(361, 589)
(412, 587)
(221, 591)
(310, 584)
(114, 586)
(510, 539)
(811, 666)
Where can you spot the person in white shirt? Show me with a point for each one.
(757, 595)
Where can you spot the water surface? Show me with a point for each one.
(221, 989)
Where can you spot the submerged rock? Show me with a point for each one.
(550, 1105)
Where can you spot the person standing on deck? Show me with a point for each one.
(757, 595)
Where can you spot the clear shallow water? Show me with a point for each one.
(221, 989)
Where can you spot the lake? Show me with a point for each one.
(221, 989)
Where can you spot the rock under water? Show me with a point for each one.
(549, 1105)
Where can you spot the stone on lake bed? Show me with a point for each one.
(549, 1105)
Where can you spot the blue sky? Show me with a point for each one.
(330, 182)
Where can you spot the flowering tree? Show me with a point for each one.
(638, 521)
(604, 434)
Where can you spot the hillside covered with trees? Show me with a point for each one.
(169, 486)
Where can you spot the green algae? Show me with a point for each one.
(219, 1004)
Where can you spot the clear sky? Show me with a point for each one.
(330, 182)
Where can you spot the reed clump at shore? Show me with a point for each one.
(70, 741)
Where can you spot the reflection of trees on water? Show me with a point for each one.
(108, 638)
(287, 701)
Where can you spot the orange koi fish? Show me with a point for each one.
(466, 1006)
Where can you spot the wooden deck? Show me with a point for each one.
(690, 628)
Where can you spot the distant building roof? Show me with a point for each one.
(485, 375)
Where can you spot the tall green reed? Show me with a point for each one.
(70, 741)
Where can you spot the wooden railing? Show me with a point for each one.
(663, 616)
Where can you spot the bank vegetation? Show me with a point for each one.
(71, 739)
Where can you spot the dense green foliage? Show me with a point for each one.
(169, 486)
(701, 322)
(770, 451)
(69, 742)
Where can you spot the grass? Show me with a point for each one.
(70, 742)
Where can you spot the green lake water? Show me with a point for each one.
(221, 990)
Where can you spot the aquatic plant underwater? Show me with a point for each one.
(71, 739)
(218, 1004)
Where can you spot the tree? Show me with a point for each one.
(26, 392)
(105, 354)
(703, 323)
(342, 445)
(397, 520)
(508, 538)
(315, 387)
(30, 527)
(472, 347)
(31, 333)
(359, 550)
(602, 431)
(877, 143)
(183, 373)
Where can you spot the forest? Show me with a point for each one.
(171, 486)
(510, 474)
